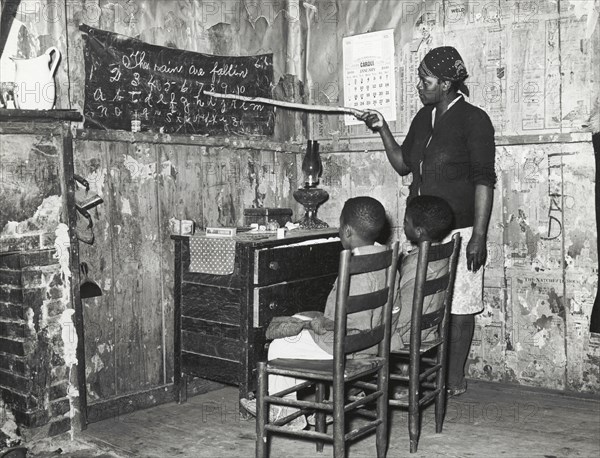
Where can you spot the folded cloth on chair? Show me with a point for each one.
(288, 326)
(214, 256)
(285, 326)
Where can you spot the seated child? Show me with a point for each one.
(426, 218)
(309, 335)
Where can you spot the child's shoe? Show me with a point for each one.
(400, 393)
(456, 391)
(277, 412)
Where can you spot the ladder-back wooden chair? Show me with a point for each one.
(341, 371)
(426, 378)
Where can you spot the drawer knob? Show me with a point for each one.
(274, 265)
(273, 305)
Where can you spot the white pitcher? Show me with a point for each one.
(34, 81)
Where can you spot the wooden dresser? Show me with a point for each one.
(220, 320)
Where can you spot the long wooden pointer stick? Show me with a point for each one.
(292, 105)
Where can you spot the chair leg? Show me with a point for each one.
(339, 421)
(414, 412)
(413, 429)
(440, 409)
(382, 413)
(320, 415)
(440, 399)
(262, 412)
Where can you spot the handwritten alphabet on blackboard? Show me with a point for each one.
(165, 87)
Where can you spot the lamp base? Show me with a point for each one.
(311, 222)
(311, 198)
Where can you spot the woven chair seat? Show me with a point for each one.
(323, 369)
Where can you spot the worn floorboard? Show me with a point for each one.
(489, 420)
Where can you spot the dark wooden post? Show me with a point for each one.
(9, 11)
(595, 318)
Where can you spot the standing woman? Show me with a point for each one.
(450, 151)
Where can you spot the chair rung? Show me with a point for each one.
(428, 397)
(361, 374)
(368, 301)
(400, 352)
(366, 413)
(370, 262)
(293, 389)
(363, 430)
(297, 403)
(365, 385)
(362, 401)
(398, 403)
(302, 433)
(288, 418)
(429, 360)
(430, 347)
(324, 377)
(423, 375)
(300, 374)
(439, 252)
(399, 378)
(430, 371)
(423, 350)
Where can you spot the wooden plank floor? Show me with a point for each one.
(489, 420)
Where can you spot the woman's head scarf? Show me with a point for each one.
(445, 64)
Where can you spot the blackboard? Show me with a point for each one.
(164, 87)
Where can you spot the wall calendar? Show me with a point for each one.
(369, 78)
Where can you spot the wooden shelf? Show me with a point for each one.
(234, 142)
(39, 115)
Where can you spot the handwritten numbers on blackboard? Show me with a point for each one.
(262, 62)
(166, 88)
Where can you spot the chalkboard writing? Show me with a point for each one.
(127, 79)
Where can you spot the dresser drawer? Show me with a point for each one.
(275, 265)
(210, 338)
(221, 305)
(286, 299)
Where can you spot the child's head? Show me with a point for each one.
(361, 222)
(427, 218)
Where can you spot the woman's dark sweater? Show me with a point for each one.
(460, 155)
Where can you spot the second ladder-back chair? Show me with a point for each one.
(341, 371)
(427, 364)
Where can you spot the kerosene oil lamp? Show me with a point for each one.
(310, 196)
